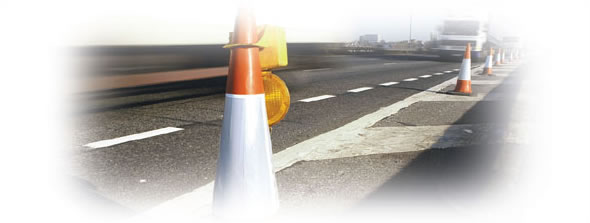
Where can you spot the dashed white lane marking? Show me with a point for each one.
(448, 71)
(319, 69)
(356, 90)
(410, 79)
(437, 74)
(455, 69)
(426, 76)
(389, 83)
(138, 136)
(317, 98)
(389, 63)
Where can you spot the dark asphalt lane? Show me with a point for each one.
(143, 173)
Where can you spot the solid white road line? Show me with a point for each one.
(138, 136)
(389, 63)
(410, 79)
(455, 69)
(448, 71)
(438, 73)
(317, 98)
(426, 76)
(356, 90)
(389, 83)
(316, 69)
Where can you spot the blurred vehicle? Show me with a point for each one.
(456, 33)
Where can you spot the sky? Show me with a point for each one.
(209, 22)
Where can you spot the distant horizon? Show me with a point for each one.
(324, 23)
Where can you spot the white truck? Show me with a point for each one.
(454, 35)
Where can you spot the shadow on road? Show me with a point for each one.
(452, 178)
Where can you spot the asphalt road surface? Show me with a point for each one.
(142, 173)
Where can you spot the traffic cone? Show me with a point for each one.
(499, 56)
(487, 69)
(245, 184)
(464, 79)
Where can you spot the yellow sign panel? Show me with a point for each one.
(274, 47)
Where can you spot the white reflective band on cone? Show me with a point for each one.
(465, 73)
(488, 62)
(245, 182)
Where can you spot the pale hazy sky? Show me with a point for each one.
(194, 22)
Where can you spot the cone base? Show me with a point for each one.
(487, 71)
(458, 93)
(463, 87)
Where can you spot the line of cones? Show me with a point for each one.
(245, 184)
(463, 86)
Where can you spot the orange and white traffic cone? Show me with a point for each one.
(245, 184)
(487, 69)
(464, 79)
(499, 56)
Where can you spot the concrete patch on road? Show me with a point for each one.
(485, 82)
(434, 113)
(379, 140)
